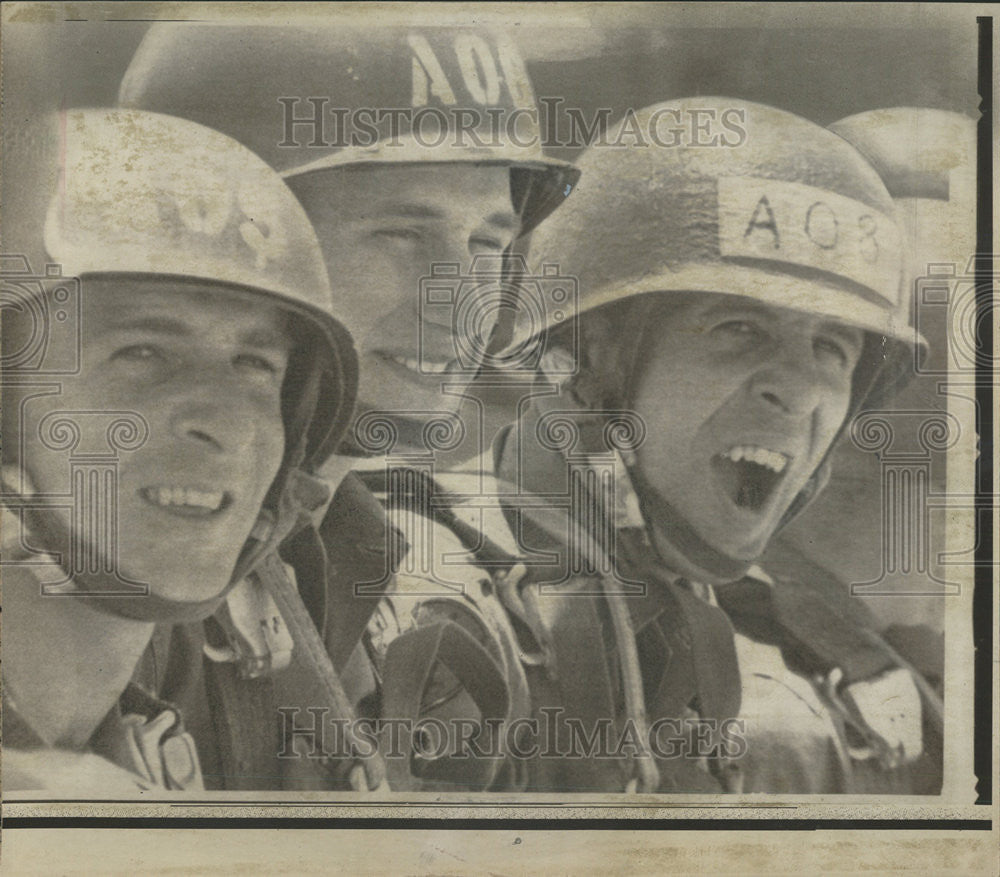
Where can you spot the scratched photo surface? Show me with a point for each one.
(493, 410)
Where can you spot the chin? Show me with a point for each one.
(199, 580)
(745, 546)
(184, 592)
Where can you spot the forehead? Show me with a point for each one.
(376, 189)
(201, 307)
(697, 307)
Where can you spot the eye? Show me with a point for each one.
(401, 235)
(256, 362)
(483, 244)
(832, 349)
(740, 330)
(137, 353)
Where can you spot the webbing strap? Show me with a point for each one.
(359, 544)
(310, 681)
(246, 728)
(410, 662)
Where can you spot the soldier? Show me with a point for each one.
(212, 370)
(738, 305)
(409, 148)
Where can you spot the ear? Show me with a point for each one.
(599, 360)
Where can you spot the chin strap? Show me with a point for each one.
(813, 488)
(112, 591)
(709, 565)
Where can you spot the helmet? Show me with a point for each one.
(927, 159)
(199, 206)
(310, 99)
(788, 214)
(143, 194)
(915, 150)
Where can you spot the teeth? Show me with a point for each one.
(415, 365)
(184, 496)
(773, 460)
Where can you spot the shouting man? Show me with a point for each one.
(738, 305)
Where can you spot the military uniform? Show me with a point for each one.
(797, 220)
(142, 735)
(801, 685)
(141, 745)
(211, 216)
(422, 72)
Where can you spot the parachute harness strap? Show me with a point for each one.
(647, 776)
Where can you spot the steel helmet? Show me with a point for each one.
(782, 211)
(788, 214)
(128, 193)
(915, 150)
(377, 95)
(927, 159)
(144, 193)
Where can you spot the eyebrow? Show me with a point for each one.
(415, 210)
(753, 307)
(266, 338)
(851, 333)
(155, 324)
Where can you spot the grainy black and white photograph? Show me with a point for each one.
(467, 411)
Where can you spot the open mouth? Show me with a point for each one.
(186, 501)
(750, 474)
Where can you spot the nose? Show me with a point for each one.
(452, 247)
(209, 411)
(789, 381)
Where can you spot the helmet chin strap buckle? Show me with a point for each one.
(258, 640)
(263, 528)
(556, 364)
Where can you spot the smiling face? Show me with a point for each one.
(381, 230)
(741, 402)
(204, 369)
